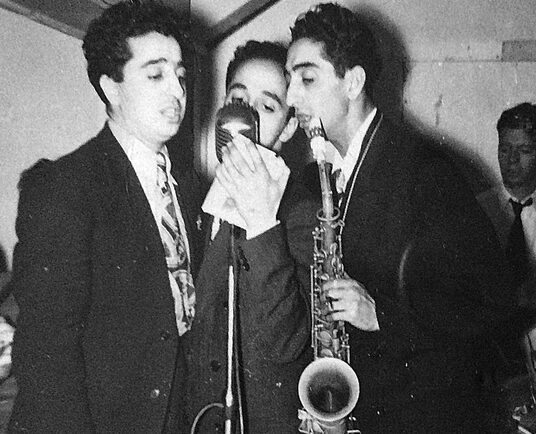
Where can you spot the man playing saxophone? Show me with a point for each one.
(420, 256)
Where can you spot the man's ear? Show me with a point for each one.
(286, 134)
(289, 130)
(110, 89)
(355, 81)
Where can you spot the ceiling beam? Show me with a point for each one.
(234, 21)
(71, 17)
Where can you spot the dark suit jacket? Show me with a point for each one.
(96, 341)
(417, 240)
(273, 317)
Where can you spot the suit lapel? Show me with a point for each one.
(123, 175)
(141, 217)
(360, 184)
(378, 208)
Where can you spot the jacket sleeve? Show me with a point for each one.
(51, 284)
(275, 319)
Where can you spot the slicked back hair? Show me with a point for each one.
(520, 117)
(347, 42)
(265, 50)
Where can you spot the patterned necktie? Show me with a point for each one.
(516, 247)
(176, 254)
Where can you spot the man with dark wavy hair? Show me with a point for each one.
(108, 244)
(420, 257)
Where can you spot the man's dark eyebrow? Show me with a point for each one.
(158, 61)
(273, 96)
(265, 92)
(304, 65)
(236, 86)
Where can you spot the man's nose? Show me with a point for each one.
(292, 95)
(177, 87)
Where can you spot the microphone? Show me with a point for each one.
(236, 117)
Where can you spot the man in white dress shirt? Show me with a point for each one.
(109, 241)
(517, 161)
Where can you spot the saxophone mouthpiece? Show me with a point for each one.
(316, 129)
(318, 139)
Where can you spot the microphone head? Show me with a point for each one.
(237, 117)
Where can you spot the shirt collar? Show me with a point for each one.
(346, 164)
(142, 158)
(509, 195)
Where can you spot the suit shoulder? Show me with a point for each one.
(66, 169)
(84, 156)
(493, 201)
(309, 180)
(38, 173)
(299, 201)
(490, 195)
(304, 188)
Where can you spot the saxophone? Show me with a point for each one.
(328, 387)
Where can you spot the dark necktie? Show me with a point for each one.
(176, 253)
(516, 247)
(335, 179)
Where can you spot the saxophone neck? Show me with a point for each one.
(325, 186)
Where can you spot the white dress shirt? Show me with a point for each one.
(496, 204)
(347, 163)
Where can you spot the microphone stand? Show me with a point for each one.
(229, 397)
(232, 352)
(232, 365)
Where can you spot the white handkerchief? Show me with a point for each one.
(219, 204)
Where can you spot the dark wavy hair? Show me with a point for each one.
(346, 40)
(105, 44)
(520, 117)
(265, 50)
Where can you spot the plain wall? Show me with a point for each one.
(47, 105)
(443, 75)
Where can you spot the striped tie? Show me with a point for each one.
(175, 250)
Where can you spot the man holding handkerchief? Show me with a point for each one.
(268, 219)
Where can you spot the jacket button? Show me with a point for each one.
(165, 335)
(155, 393)
(215, 365)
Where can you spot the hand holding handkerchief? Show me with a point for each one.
(248, 187)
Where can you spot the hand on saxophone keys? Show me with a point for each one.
(351, 302)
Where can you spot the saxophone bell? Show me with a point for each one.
(329, 390)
